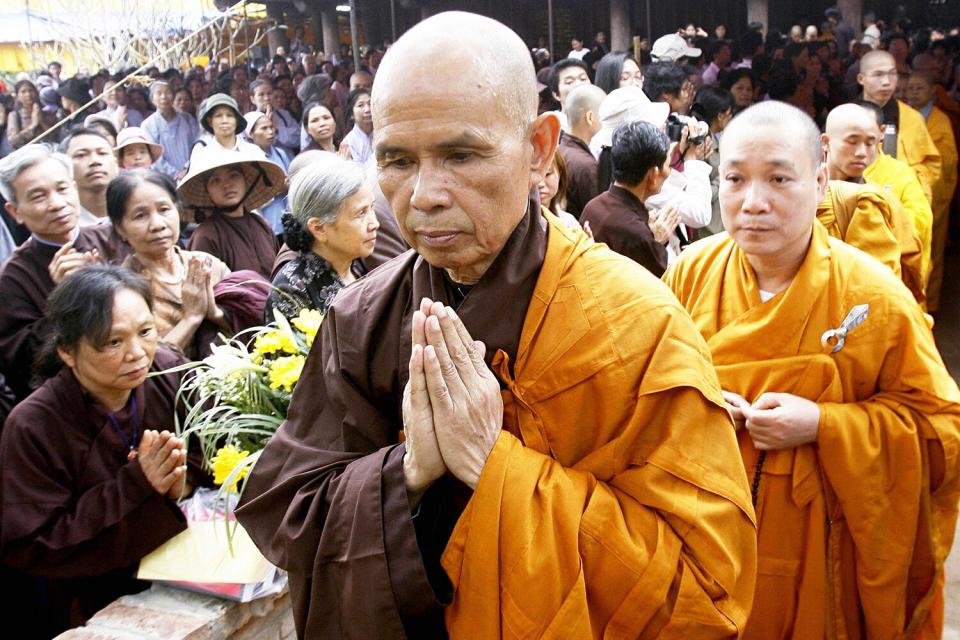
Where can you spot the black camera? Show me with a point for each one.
(675, 127)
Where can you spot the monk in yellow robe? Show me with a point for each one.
(921, 94)
(864, 215)
(878, 77)
(568, 468)
(848, 422)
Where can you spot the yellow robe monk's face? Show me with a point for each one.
(769, 190)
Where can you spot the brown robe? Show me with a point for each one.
(621, 221)
(25, 285)
(75, 512)
(317, 501)
(582, 169)
(246, 242)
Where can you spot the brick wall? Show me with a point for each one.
(163, 613)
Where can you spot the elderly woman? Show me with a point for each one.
(262, 132)
(91, 470)
(333, 226)
(220, 117)
(225, 188)
(142, 207)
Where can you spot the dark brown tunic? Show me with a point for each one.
(246, 242)
(619, 219)
(327, 499)
(582, 169)
(74, 510)
(25, 285)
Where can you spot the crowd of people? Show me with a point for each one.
(623, 344)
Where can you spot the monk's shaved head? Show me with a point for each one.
(580, 100)
(792, 123)
(874, 59)
(842, 118)
(457, 47)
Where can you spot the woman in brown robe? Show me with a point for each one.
(89, 469)
(225, 188)
(142, 207)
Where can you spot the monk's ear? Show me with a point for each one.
(546, 133)
(860, 77)
(12, 209)
(822, 178)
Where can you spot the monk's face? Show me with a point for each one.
(919, 92)
(46, 201)
(769, 191)
(879, 79)
(454, 165)
(851, 145)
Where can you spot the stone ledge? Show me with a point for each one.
(164, 613)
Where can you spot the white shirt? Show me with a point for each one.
(689, 191)
(579, 55)
(210, 144)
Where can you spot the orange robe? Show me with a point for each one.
(614, 504)
(941, 130)
(853, 529)
(916, 148)
(874, 221)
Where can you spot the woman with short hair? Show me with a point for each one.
(91, 470)
(333, 226)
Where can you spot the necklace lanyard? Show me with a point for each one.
(135, 421)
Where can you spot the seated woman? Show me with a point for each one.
(321, 127)
(333, 226)
(91, 470)
(225, 188)
(223, 122)
(142, 207)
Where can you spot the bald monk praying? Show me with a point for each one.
(509, 431)
(847, 420)
(864, 215)
(878, 78)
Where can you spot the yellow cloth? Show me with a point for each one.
(854, 529)
(614, 503)
(917, 149)
(872, 220)
(896, 177)
(938, 124)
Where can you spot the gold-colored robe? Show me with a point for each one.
(941, 130)
(854, 528)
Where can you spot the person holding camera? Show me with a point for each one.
(640, 155)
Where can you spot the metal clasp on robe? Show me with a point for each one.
(834, 339)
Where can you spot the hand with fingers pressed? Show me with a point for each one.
(782, 421)
(67, 260)
(422, 462)
(736, 405)
(162, 458)
(464, 395)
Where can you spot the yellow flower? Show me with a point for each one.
(273, 342)
(285, 371)
(225, 461)
(309, 322)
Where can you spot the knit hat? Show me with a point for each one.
(220, 100)
(264, 179)
(136, 135)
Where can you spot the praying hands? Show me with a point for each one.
(452, 409)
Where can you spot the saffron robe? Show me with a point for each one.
(864, 216)
(244, 242)
(941, 130)
(613, 501)
(75, 511)
(853, 529)
(916, 148)
(895, 177)
(25, 284)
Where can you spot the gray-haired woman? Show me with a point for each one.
(332, 225)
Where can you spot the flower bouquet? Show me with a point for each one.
(235, 399)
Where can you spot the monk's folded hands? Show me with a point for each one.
(782, 421)
(464, 395)
(736, 405)
(422, 462)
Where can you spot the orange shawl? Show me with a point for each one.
(614, 504)
(853, 530)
